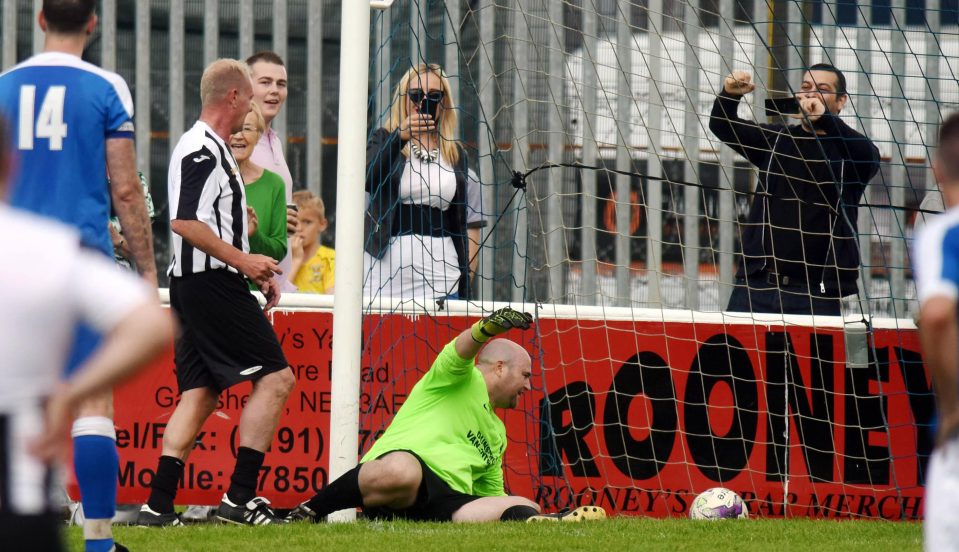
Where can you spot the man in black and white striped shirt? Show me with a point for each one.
(225, 338)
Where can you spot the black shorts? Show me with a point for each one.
(436, 501)
(224, 336)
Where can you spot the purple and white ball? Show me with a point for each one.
(718, 503)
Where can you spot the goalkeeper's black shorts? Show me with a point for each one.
(436, 501)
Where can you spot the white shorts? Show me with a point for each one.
(941, 525)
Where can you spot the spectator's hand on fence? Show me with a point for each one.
(738, 83)
(271, 291)
(292, 221)
(501, 321)
(415, 125)
(252, 221)
(258, 268)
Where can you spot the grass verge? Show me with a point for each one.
(613, 535)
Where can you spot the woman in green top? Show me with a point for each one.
(265, 191)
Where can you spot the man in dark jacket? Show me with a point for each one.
(800, 254)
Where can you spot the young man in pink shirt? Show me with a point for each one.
(269, 92)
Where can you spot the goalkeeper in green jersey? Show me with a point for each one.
(441, 457)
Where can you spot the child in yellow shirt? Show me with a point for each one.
(312, 270)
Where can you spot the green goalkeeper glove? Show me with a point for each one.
(500, 321)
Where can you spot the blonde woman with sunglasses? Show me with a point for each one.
(416, 179)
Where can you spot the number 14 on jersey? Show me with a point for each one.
(49, 122)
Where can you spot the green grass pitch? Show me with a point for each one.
(613, 535)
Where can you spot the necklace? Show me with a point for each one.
(430, 156)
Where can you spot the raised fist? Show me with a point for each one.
(811, 108)
(500, 321)
(738, 83)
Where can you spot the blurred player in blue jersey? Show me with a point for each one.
(69, 122)
(936, 265)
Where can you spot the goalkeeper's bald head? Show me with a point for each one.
(506, 367)
(501, 349)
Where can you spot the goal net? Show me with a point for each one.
(611, 209)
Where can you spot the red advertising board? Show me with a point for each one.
(646, 415)
(636, 416)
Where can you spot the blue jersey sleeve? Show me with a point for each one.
(118, 110)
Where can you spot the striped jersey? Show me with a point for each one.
(60, 111)
(936, 257)
(204, 184)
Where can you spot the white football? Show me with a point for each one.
(718, 503)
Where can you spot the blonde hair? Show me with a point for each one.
(220, 77)
(305, 199)
(449, 135)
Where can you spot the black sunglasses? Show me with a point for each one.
(417, 95)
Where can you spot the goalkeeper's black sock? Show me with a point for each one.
(518, 513)
(339, 495)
